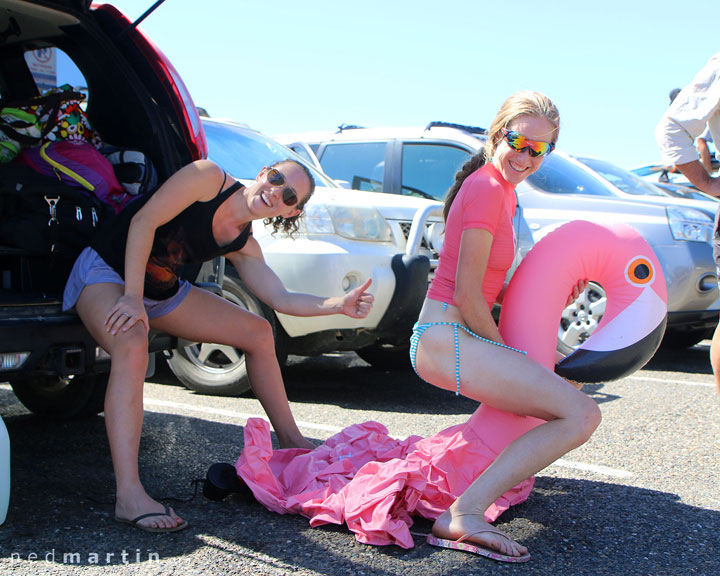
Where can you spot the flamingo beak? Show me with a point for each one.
(621, 344)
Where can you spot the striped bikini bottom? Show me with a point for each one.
(419, 329)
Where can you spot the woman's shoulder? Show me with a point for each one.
(206, 177)
(205, 171)
(482, 182)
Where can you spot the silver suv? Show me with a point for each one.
(422, 162)
(344, 238)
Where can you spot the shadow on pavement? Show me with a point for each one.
(346, 381)
(362, 387)
(62, 503)
(695, 360)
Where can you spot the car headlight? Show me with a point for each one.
(316, 220)
(689, 224)
(356, 222)
(434, 236)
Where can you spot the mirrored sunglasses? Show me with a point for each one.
(518, 142)
(276, 178)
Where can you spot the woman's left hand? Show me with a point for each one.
(127, 311)
(578, 289)
(357, 303)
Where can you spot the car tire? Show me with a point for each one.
(385, 356)
(62, 398)
(217, 370)
(679, 339)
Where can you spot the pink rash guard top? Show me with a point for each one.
(485, 200)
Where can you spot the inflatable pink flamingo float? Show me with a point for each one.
(375, 484)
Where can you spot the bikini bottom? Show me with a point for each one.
(419, 329)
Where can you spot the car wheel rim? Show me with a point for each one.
(216, 358)
(581, 318)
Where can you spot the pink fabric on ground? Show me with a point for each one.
(374, 483)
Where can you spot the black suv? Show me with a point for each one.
(136, 100)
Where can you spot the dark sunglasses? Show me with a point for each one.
(518, 142)
(275, 178)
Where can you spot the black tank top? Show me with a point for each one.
(187, 238)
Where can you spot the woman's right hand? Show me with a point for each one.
(127, 311)
(578, 289)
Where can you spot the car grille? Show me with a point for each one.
(405, 227)
(424, 248)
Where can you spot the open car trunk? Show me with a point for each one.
(135, 100)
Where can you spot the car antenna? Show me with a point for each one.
(137, 22)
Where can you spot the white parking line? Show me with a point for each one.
(595, 469)
(149, 402)
(666, 381)
(167, 405)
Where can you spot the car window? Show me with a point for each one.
(679, 191)
(622, 179)
(244, 153)
(301, 151)
(428, 170)
(51, 67)
(361, 165)
(558, 175)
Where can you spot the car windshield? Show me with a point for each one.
(557, 175)
(623, 179)
(243, 152)
(679, 191)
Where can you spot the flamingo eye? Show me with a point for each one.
(640, 272)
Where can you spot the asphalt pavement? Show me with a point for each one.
(642, 497)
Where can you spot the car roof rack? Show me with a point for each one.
(348, 127)
(463, 127)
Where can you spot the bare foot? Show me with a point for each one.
(293, 439)
(473, 528)
(298, 443)
(130, 508)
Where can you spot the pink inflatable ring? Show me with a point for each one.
(612, 255)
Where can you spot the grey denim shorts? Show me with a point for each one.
(90, 269)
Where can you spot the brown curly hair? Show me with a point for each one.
(290, 225)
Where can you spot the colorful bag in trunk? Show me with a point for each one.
(78, 164)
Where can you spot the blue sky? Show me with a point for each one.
(287, 66)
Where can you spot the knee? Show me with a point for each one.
(130, 351)
(588, 418)
(259, 336)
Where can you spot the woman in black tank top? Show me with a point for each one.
(197, 214)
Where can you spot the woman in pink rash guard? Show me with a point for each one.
(456, 344)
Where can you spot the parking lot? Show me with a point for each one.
(641, 498)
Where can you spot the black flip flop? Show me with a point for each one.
(134, 522)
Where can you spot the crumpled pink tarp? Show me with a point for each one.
(375, 484)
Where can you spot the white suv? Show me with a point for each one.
(422, 162)
(344, 238)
